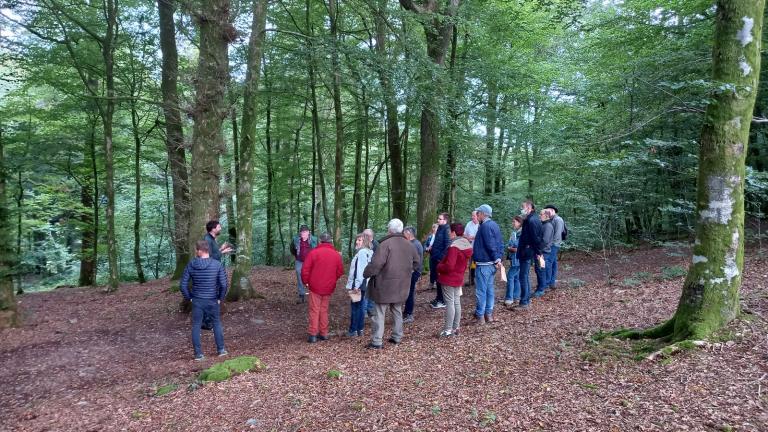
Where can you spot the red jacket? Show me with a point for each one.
(450, 270)
(322, 269)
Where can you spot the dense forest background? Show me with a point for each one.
(363, 110)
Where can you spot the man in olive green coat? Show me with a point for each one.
(392, 265)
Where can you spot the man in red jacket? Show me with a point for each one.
(321, 269)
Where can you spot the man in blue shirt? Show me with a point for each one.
(487, 252)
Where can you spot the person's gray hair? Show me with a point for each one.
(411, 230)
(326, 238)
(395, 226)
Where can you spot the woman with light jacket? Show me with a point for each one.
(356, 284)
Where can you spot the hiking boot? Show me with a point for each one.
(455, 331)
(393, 341)
(408, 319)
(223, 353)
(479, 319)
(489, 318)
(312, 339)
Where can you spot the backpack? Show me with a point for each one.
(565, 232)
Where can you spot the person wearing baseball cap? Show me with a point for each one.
(302, 243)
(487, 252)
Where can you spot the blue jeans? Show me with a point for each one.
(525, 283)
(549, 270)
(541, 277)
(357, 314)
(299, 285)
(553, 277)
(411, 294)
(513, 284)
(209, 307)
(484, 289)
(369, 306)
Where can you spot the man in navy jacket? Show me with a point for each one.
(209, 287)
(436, 253)
(529, 249)
(487, 252)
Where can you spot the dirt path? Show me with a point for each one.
(89, 361)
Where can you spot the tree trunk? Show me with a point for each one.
(241, 282)
(174, 135)
(438, 28)
(108, 52)
(137, 197)
(269, 237)
(89, 198)
(338, 199)
(710, 296)
(8, 315)
(209, 113)
(390, 103)
(490, 138)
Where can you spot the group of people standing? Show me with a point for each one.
(383, 274)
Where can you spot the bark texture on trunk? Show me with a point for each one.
(241, 282)
(210, 110)
(710, 297)
(174, 135)
(438, 29)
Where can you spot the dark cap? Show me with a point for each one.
(303, 228)
(550, 206)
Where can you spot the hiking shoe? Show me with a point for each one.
(408, 319)
(373, 346)
(393, 341)
(446, 333)
(322, 338)
(538, 294)
(521, 308)
(312, 339)
(455, 331)
(199, 357)
(437, 305)
(509, 302)
(223, 353)
(352, 334)
(359, 332)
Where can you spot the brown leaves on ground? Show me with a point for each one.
(84, 360)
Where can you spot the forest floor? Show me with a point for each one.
(84, 360)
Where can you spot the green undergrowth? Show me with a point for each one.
(227, 369)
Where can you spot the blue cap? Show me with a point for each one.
(485, 209)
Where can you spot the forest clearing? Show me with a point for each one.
(85, 360)
(250, 156)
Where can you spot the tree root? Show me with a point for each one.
(664, 330)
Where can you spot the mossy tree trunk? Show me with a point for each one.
(241, 283)
(210, 110)
(710, 297)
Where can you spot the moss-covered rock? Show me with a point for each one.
(227, 369)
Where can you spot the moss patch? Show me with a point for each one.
(164, 390)
(227, 369)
